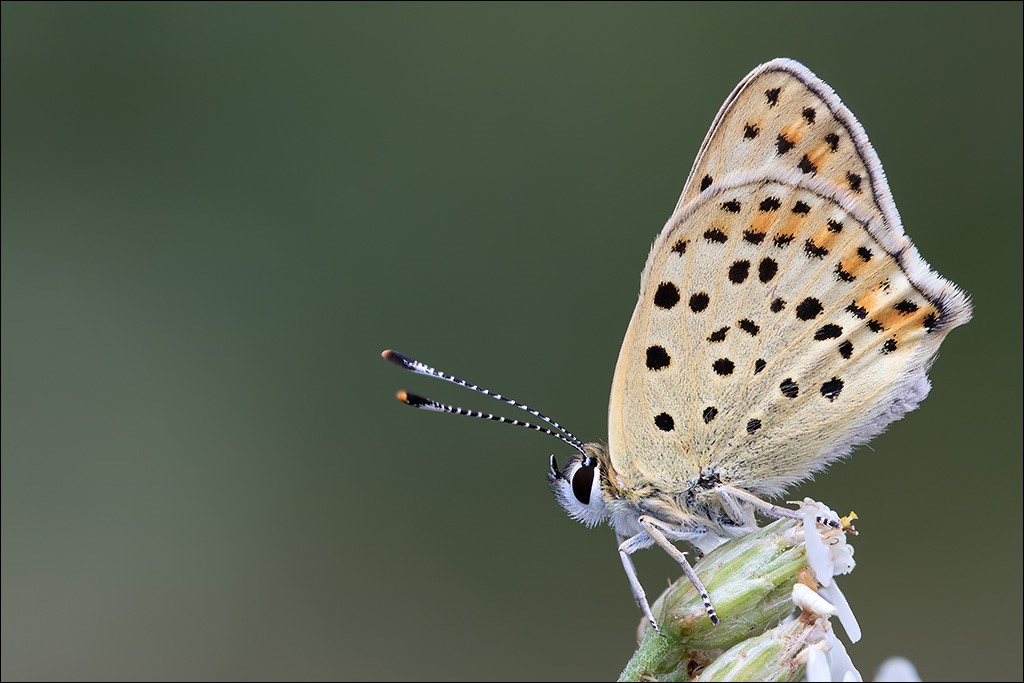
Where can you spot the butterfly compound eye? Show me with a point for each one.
(583, 480)
(577, 489)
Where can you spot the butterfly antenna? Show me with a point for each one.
(415, 401)
(432, 405)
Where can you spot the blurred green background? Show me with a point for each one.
(215, 217)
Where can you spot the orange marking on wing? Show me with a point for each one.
(854, 264)
(907, 325)
(794, 132)
(791, 223)
(825, 238)
(890, 318)
(795, 223)
(819, 155)
(868, 301)
(763, 222)
(910, 332)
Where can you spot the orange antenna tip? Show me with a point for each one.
(401, 395)
(401, 360)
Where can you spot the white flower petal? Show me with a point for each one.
(818, 555)
(841, 552)
(897, 670)
(843, 611)
(840, 664)
(842, 556)
(817, 670)
(809, 601)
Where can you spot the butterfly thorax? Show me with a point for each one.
(696, 508)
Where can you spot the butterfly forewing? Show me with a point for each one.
(781, 117)
(784, 316)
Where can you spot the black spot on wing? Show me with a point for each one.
(829, 331)
(906, 307)
(789, 388)
(667, 295)
(723, 367)
(858, 311)
(753, 237)
(832, 388)
(842, 275)
(783, 144)
(657, 358)
(806, 165)
(738, 271)
(809, 308)
(715, 235)
(718, 335)
(814, 251)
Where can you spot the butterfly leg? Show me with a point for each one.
(656, 530)
(729, 495)
(626, 548)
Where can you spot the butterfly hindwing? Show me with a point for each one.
(783, 317)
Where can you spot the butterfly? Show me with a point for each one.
(784, 317)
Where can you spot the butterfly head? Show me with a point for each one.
(579, 487)
(582, 487)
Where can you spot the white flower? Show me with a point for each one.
(834, 664)
(842, 556)
(817, 670)
(829, 556)
(897, 670)
(818, 555)
(843, 611)
(809, 601)
(839, 661)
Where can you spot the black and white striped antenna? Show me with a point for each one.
(412, 365)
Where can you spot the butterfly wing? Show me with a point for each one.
(784, 317)
(781, 116)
